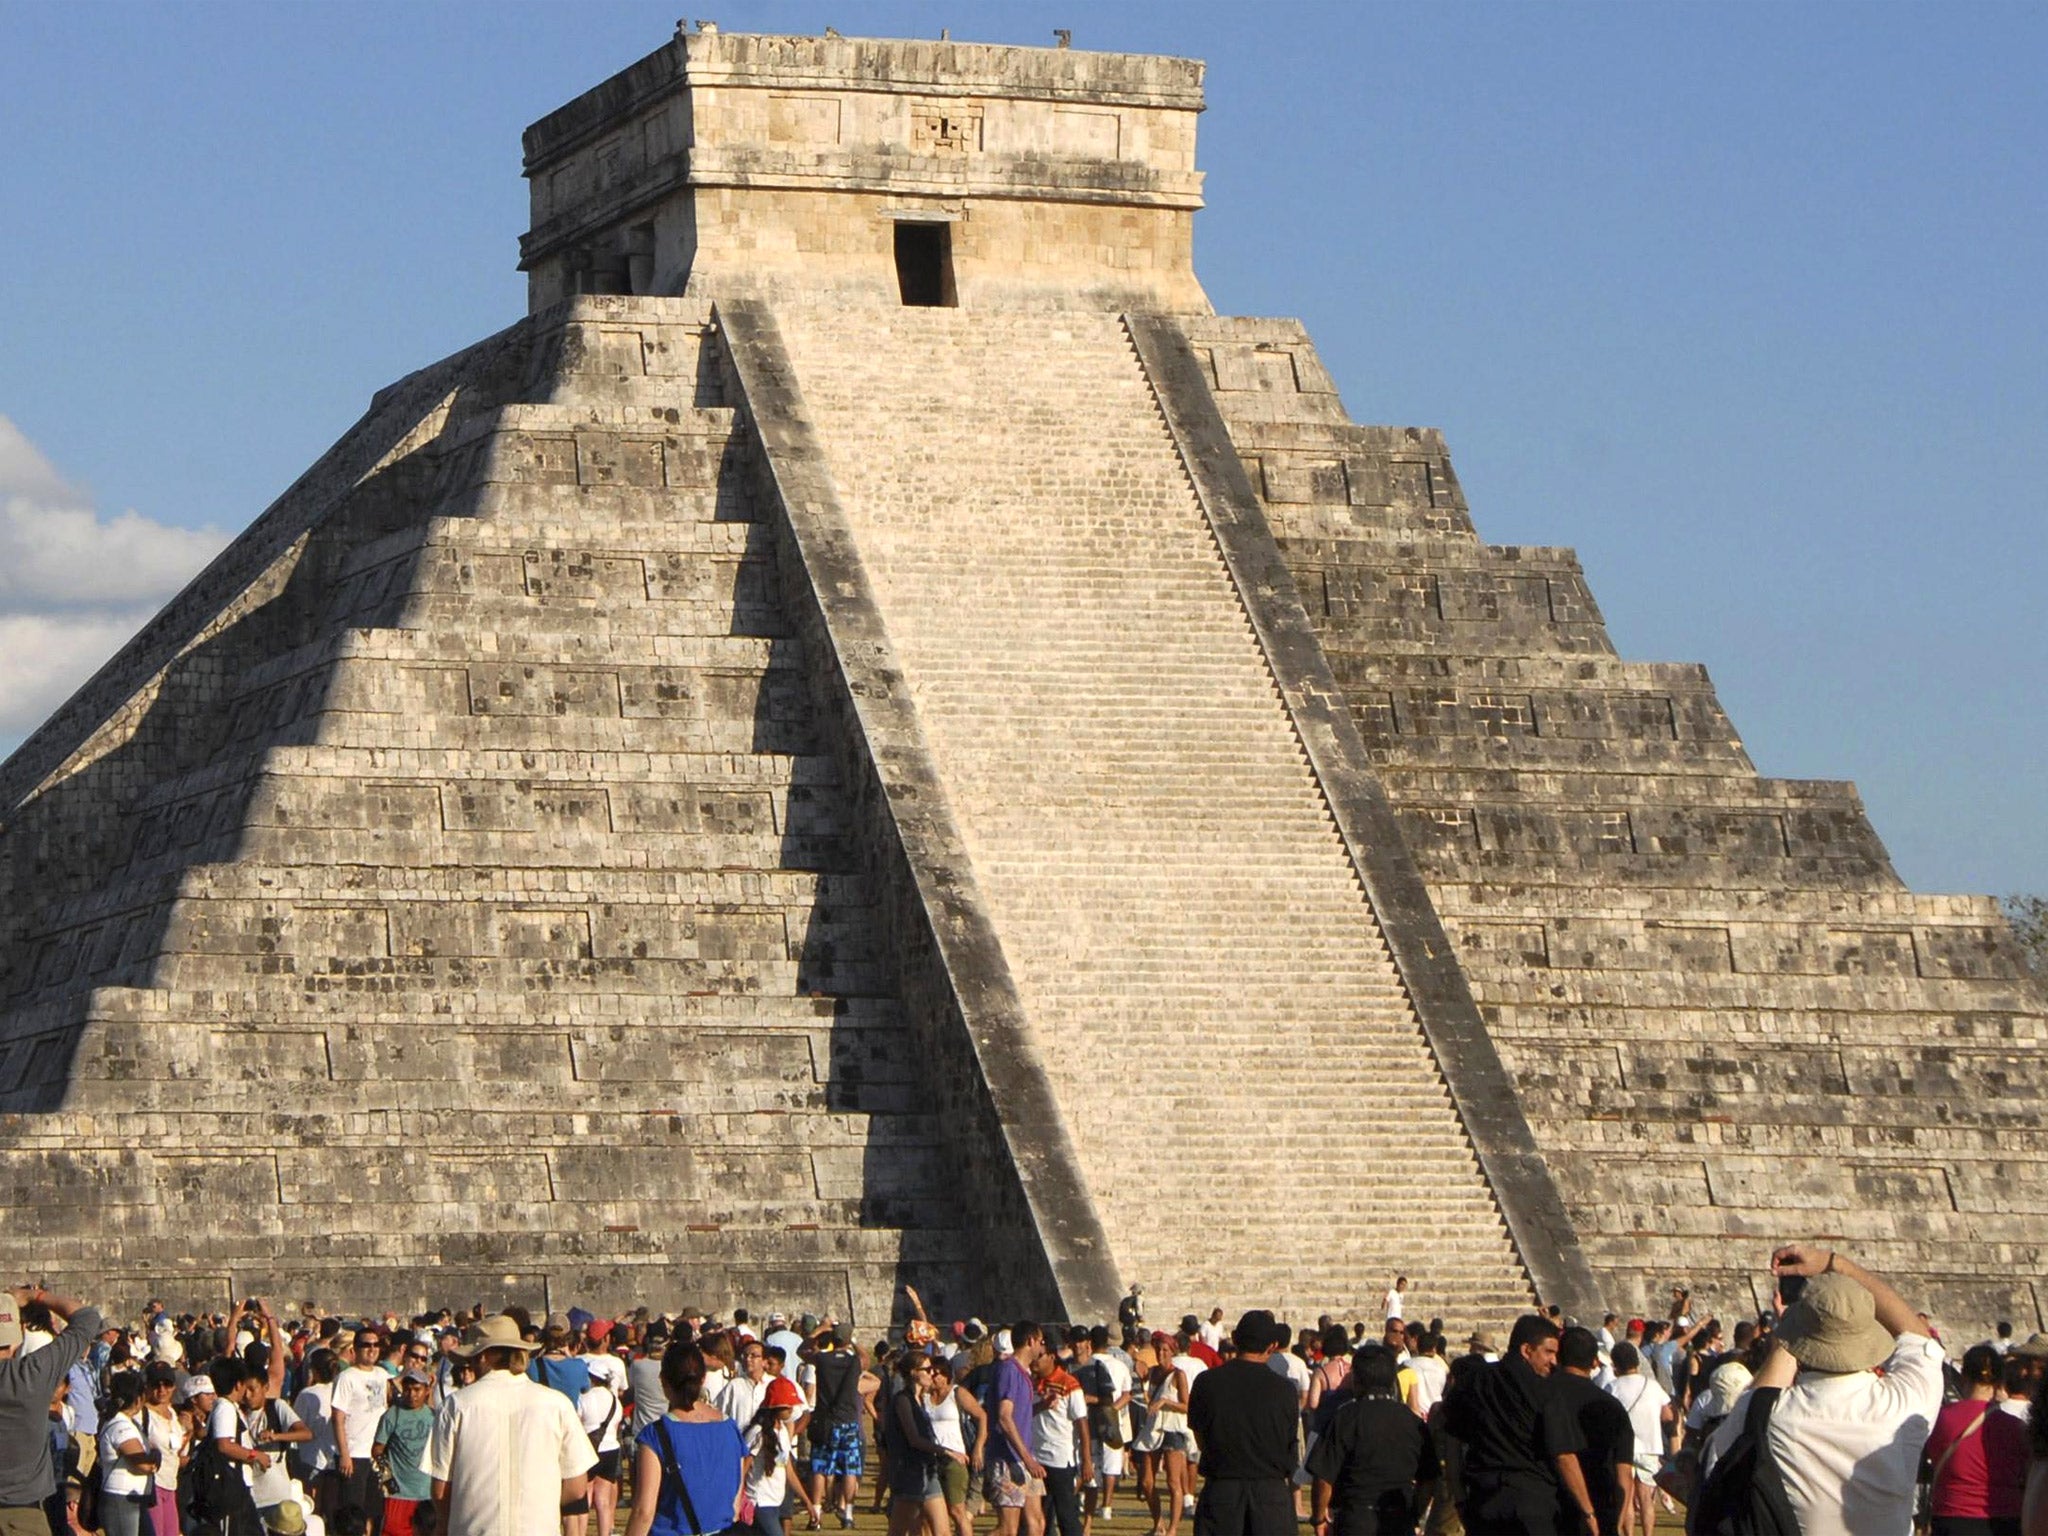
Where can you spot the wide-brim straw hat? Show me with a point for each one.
(500, 1332)
(1833, 1326)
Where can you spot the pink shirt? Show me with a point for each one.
(1986, 1476)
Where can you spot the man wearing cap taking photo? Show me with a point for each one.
(28, 1475)
(506, 1453)
(1846, 1440)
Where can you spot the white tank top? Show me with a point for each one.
(945, 1417)
(1170, 1421)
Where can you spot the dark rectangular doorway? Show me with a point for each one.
(924, 264)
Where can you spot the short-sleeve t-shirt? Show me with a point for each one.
(608, 1369)
(1293, 1367)
(1375, 1453)
(1607, 1440)
(707, 1457)
(117, 1480)
(311, 1406)
(1057, 1407)
(567, 1374)
(1985, 1474)
(226, 1423)
(360, 1395)
(599, 1410)
(1011, 1384)
(272, 1485)
(404, 1433)
(1643, 1401)
(504, 1446)
(650, 1402)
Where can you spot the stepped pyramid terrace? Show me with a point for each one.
(873, 737)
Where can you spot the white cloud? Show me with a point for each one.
(73, 585)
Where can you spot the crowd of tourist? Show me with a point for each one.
(1837, 1413)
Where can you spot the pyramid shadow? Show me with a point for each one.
(103, 850)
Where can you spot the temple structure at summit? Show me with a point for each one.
(874, 737)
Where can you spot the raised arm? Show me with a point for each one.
(273, 1338)
(1812, 1259)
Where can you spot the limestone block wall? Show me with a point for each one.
(1198, 962)
(470, 909)
(1729, 1022)
(727, 163)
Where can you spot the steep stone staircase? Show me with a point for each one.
(1204, 977)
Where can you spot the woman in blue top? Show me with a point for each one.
(689, 1465)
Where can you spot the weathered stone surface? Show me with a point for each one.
(1670, 952)
(741, 787)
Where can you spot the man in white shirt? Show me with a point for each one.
(361, 1394)
(1284, 1362)
(1396, 1302)
(314, 1406)
(506, 1453)
(1847, 1441)
(1060, 1441)
(1107, 1384)
(229, 1427)
(742, 1396)
(1644, 1401)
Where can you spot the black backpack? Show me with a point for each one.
(218, 1490)
(1744, 1493)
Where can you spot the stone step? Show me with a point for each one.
(697, 794)
(646, 1019)
(1559, 989)
(555, 955)
(1166, 879)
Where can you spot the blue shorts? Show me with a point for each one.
(838, 1452)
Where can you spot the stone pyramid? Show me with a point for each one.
(874, 738)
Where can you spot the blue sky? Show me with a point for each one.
(1743, 301)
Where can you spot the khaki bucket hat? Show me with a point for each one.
(1834, 1327)
(499, 1332)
